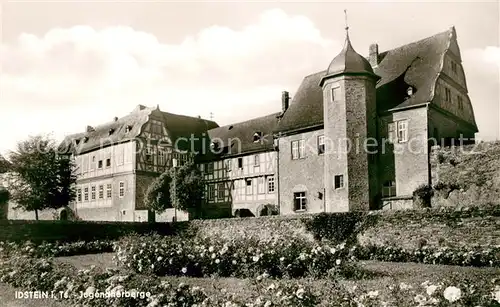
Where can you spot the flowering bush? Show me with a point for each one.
(57, 249)
(239, 258)
(445, 256)
(82, 287)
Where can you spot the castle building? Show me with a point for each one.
(355, 136)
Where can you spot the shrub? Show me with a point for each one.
(335, 227)
(239, 258)
(423, 195)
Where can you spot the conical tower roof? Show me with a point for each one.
(349, 62)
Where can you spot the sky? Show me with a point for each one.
(66, 65)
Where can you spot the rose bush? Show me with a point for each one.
(56, 249)
(239, 258)
(69, 284)
(446, 256)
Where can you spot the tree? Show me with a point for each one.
(44, 178)
(4, 200)
(180, 188)
(157, 196)
(187, 190)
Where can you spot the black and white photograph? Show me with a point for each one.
(249, 153)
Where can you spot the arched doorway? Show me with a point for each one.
(268, 209)
(243, 213)
(63, 215)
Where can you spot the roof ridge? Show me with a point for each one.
(420, 40)
(249, 120)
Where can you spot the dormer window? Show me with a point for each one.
(409, 91)
(128, 128)
(77, 141)
(214, 145)
(110, 132)
(85, 139)
(257, 136)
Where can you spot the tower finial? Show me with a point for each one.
(346, 25)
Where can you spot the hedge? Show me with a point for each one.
(71, 231)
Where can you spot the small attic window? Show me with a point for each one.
(85, 139)
(77, 141)
(230, 127)
(257, 136)
(409, 91)
(214, 145)
(128, 128)
(110, 132)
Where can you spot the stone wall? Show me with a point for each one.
(412, 229)
(465, 176)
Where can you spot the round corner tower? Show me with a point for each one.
(350, 129)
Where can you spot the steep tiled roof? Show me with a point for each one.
(238, 138)
(416, 64)
(130, 126)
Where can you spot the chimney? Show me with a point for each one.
(374, 55)
(90, 129)
(285, 100)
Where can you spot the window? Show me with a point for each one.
(86, 194)
(453, 67)
(298, 149)
(321, 144)
(149, 154)
(397, 132)
(249, 186)
(93, 158)
(99, 165)
(101, 192)
(240, 163)
(220, 191)
(260, 185)
(336, 92)
(389, 189)
(447, 94)
(93, 192)
(402, 131)
(211, 192)
(79, 195)
(122, 189)
(210, 167)
(339, 181)
(460, 102)
(108, 191)
(228, 165)
(108, 162)
(270, 184)
(299, 201)
(257, 136)
(256, 160)
(161, 157)
(391, 132)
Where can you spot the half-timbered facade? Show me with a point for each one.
(240, 172)
(117, 161)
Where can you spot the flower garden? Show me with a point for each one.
(275, 269)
